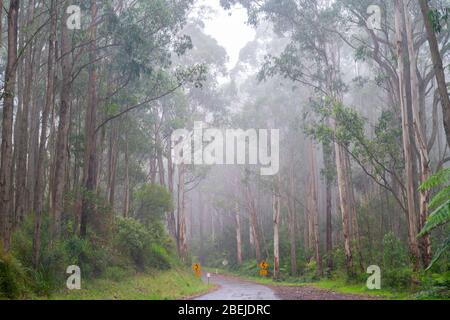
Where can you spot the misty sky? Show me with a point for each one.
(230, 31)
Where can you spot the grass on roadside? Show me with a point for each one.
(336, 285)
(164, 285)
(340, 285)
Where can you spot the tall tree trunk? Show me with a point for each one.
(276, 225)
(344, 205)
(90, 158)
(49, 99)
(126, 202)
(292, 237)
(170, 176)
(238, 234)
(201, 227)
(161, 170)
(33, 141)
(152, 164)
(353, 218)
(292, 222)
(306, 232)
(412, 224)
(438, 67)
(420, 138)
(1, 24)
(112, 163)
(181, 240)
(63, 130)
(7, 127)
(328, 162)
(20, 78)
(315, 207)
(253, 224)
(22, 135)
(213, 226)
(310, 216)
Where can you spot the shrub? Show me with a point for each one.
(310, 271)
(132, 240)
(50, 272)
(398, 278)
(13, 278)
(158, 257)
(435, 286)
(139, 246)
(152, 201)
(394, 253)
(90, 256)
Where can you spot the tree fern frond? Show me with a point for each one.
(443, 248)
(439, 198)
(438, 179)
(439, 217)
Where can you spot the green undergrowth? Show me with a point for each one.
(161, 285)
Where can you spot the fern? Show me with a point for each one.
(445, 247)
(441, 215)
(438, 179)
(440, 198)
(438, 218)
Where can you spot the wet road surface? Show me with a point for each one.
(236, 289)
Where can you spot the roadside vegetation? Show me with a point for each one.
(158, 285)
(121, 258)
(432, 287)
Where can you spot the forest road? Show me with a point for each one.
(234, 288)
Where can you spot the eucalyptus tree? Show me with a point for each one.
(141, 49)
(399, 52)
(433, 25)
(8, 94)
(312, 58)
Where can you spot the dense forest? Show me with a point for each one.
(93, 91)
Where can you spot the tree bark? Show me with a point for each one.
(421, 141)
(292, 224)
(7, 127)
(181, 240)
(314, 214)
(344, 205)
(161, 170)
(22, 135)
(126, 201)
(61, 147)
(412, 224)
(328, 162)
(90, 157)
(201, 227)
(438, 67)
(112, 163)
(353, 214)
(238, 234)
(276, 225)
(170, 176)
(49, 99)
(253, 224)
